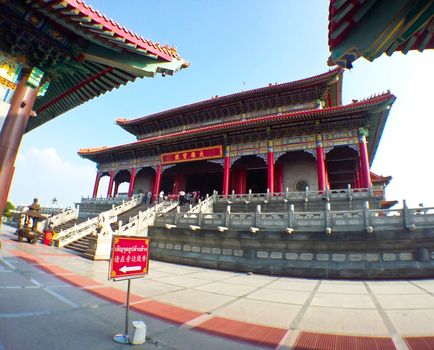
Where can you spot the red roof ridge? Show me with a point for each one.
(112, 25)
(278, 116)
(329, 73)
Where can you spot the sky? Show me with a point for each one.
(232, 45)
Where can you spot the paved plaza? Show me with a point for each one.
(270, 311)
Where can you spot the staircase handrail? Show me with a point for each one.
(61, 218)
(140, 222)
(205, 206)
(77, 231)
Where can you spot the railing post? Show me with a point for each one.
(366, 219)
(227, 215)
(268, 194)
(249, 196)
(287, 193)
(199, 218)
(233, 194)
(258, 216)
(328, 218)
(119, 227)
(291, 216)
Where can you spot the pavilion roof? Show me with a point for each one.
(375, 178)
(371, 28)
(380, 103)
(92, 54)
(333, 77)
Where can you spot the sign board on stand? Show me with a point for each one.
(129, 259)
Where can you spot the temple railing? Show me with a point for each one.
(138, 224)
(110, 200)
(362, 220)
(339, 194)
(89, 226)
(205, 206)
(61, 218)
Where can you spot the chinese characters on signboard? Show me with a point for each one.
(130, 257)
(192, 155)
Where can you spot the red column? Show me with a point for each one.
(110, 186)
(157, 182)
(242, 180)
(95, 187)
(12, 132)
(116, 189)
(270, 167)
(132, 182)
(364, 160)
(320, 164)
(226, 172)
(278, 185)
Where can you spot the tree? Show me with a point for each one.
(7, 211)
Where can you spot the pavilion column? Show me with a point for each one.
(110, 186)
(270, 167)
(157, 182)
(13, 131)
(242, 180)
(226, 172)
(116, 189)
(96, 185)
(278, 185)
(132, 182)
(320, 160)
(364, 160)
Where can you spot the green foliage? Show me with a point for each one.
(7, 210)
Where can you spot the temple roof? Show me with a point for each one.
(371, 28)
(380, 179)
(82, 52)
(378, 104)
(333, 97)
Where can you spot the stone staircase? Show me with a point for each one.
(80, 245)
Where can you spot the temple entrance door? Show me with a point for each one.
(249, 173)
(342, 167)
(203, 176)
(257, 180)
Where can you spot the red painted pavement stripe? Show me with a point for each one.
(248, 332)
(315, 341)
(420, 343)
(166, 312)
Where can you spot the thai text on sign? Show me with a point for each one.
(130, 257)
(192, 155)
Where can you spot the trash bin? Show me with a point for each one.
(139, 333)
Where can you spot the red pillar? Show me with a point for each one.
(242, 180)
(278, 185)
(12, 133)
(270, 167)
(95, 187)
(132, 182)
(110, 186)
(364, 160)
(226, 172)
(157, 182)
(116, 189)
(320, 164)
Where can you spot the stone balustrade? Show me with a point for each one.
(89, 226)
(61, 218)
(205, 206)
(365, 220)
(138, 224)
(110, 200)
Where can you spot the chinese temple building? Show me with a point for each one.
(56, 55)
(282, 137)
(370, 28)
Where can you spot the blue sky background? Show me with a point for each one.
(232, 46)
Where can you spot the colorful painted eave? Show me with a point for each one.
(333, 74)
(370, 28)
(385, 99)
(103, 28)
(112, 56)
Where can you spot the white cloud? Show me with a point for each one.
(44, 174)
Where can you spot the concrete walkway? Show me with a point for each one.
(276, 312)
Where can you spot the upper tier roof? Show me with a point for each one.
(380, 103)
(331, 79)
(82, 52)
(370, 28)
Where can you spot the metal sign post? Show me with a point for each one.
(129, 259)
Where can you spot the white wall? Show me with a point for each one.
(302, 170)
